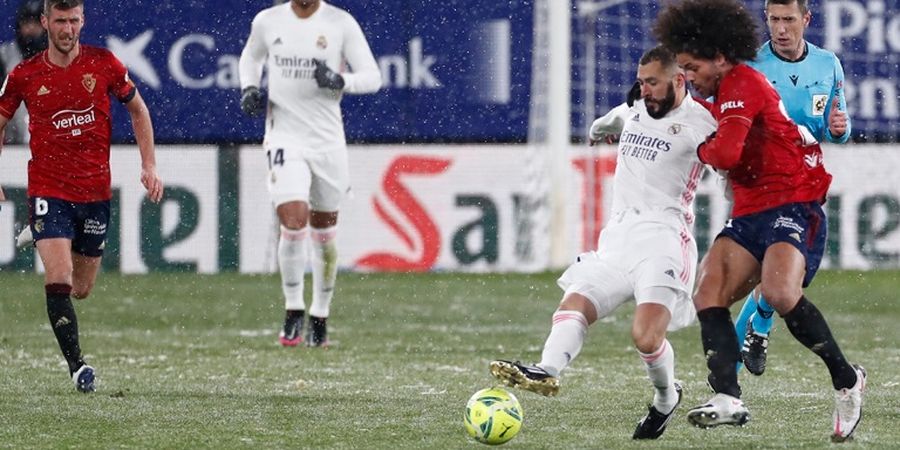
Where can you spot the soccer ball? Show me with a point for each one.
(493, 416)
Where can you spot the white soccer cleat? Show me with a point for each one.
(722, 409)
(848, 407)
(25, 237)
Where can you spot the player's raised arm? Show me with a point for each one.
(143, 133)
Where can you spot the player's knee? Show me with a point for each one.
(81, 291)
(646, 340)
(580, 303)
(782, 298)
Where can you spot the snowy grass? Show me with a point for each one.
(189, 361)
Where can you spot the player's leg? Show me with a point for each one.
(92, 223)
(567, 333)
(323, 231)
(293, 257)
(663, 281)
(789, 265)
(330, 182)
(54, 223)
(728, 273)
(288, 185)
(594, 286)
(648, 331)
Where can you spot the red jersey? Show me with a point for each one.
(769, 162)
(69, 121)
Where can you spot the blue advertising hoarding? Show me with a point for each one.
(865, 35)
(454, 71)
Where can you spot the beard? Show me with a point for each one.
(662, 106)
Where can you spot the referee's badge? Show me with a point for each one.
(818, 104)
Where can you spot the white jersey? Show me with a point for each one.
(300, 113)
(657, 168)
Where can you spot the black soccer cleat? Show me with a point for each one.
(530, 378)
(292, 332)
(317, 334)
(753, 352)
(654, 423)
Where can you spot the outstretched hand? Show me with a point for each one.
(837, 119)
(154, 185)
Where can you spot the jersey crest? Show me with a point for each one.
(89, 82)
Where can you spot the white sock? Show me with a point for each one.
(661, 370)
(324, 269)
(292, 259)
(565, 341)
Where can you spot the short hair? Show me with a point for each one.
(61, 4)
(802, 4)
(705, 28)
(659, 53)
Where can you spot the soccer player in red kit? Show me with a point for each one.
(776, 234)
(66, 90)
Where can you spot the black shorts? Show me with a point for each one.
(85, 224)
(802, 225)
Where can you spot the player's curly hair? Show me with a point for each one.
(705, 28)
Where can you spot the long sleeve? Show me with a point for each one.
(723, 150)
(837, 90)
(253, 57)
(365, 76)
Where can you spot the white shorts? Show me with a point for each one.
(321, 179)
(650, 262)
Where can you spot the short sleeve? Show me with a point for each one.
(11, 93)
(740, 98)
(120, 85)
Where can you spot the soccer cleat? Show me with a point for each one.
(25, 237)
(292, 332)
(317, 335)
(848, 407)
(530, 378)
(654, 423)
(754, 351)
(84, 379)
(722, 409)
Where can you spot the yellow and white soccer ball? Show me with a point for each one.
(493, 416)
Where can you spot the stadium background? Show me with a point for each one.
(467, 102)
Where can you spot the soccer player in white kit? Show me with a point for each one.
(305, 47)
(646, 250)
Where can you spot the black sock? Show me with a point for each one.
(809, 327)
(721, 349)
(64, 323)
